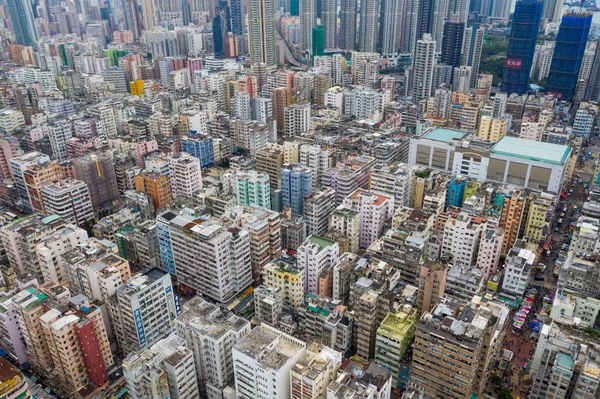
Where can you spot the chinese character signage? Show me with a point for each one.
(170, 303)
(513, 63)
(139, 326)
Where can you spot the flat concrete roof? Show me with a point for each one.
(532, 150)
(443, 134)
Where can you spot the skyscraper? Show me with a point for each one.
(409, 35)
(501, 8)
(219, 27)
(148, 14)
(438, 18)
(423, 67)
(592, 91)
(329, 20)
(186, 12)
(369, 27)
(392, 28)
(424, 18)
(347, 25)
(261, 27)
(318, 40)
(568, 53)
(460, 8)
(452, 41)
(553, 10)
(21, 17)
(472, 47)
(521, 45)
(308, 20)
(238, 24)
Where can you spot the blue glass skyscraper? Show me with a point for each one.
(219, 35)
(521, 46)
(568, 54)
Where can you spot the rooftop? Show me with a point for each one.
(532, 150)
(269, 348)
(443, 134)
(320, 241)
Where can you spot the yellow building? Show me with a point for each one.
(541, 207)
(492, 129)
(13, 385)
(136, 87)
(230, 87)
(394, 336)
(284, 275)
(421, 182)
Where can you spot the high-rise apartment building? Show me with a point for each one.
(346, 223)
(519, 264)
(511, 217)
(36, 177)
(282, 274)
(539, 216)
(18, 166)
(392, 14)
(492, 129)
(521, 45)
(253, 188)
(211, 258)
(316, 255)
(369, 26)
(296, 183)
(317, 159)
(450, 341)
(211, 333)
(490, 246)
(375, 211)
(270, 162)
(165, 369)
(348, 176)
(452, 41)
(23, 22)
(347, 25)
(50, 251)
(308, 20)
(157, 186)
(70, 199)
(296, 119)
(185, 175)
(78, 344)
(423, 67)
(261, 31)
(317, 208)
(137, 321)
(310, 378)
(394, 336)
(264, 228)
(146, 244)
(252, 363)
(462, 235)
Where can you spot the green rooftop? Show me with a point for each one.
(321, 242)
(532, 150)
(565, 361)
(443, 134)
(50, 219)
